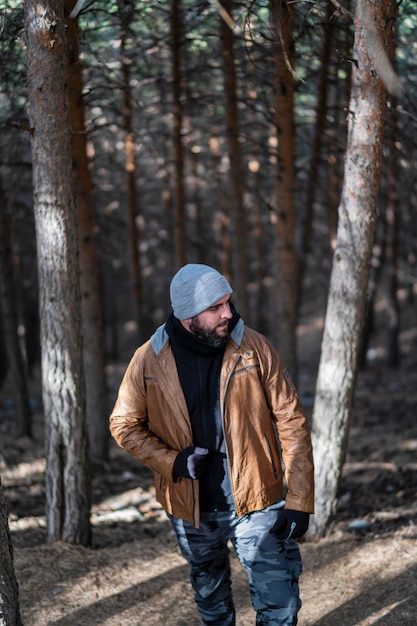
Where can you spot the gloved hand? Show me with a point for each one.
(191, 462)
(290, 524)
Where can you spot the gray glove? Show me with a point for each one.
(191, 462)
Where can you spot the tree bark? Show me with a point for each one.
(338, 104)
(92, 321)
(180, 248)
(9, 588)
(127, 10)
(316, 150)
(392, 227)
(351, 262)
(283, 330)
(67, 458)
(237, 209)
(16, 361)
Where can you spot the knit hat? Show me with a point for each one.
(194, 288)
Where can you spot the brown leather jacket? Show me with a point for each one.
(259, 405)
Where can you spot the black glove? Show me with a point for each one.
(290, 524)
(191, 462)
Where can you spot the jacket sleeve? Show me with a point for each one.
(293, 432)
(129, 422)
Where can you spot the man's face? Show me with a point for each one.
(212, 324)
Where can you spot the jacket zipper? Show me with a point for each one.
(223, 407)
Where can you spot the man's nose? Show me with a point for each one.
(226, 311)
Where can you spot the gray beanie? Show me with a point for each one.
(194, 288)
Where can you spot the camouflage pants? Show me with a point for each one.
(273, 566)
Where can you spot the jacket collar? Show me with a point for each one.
(160, 336)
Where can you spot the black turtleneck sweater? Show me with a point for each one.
(199, 366)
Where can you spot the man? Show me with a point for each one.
(203, 403)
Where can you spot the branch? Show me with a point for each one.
(342, 9)
(225, 15)
(29, 129)
(77, 8)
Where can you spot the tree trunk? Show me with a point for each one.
(392, 227)
(240, 276)
(351, 262)
(222, 214)
(92, 322)
(16, 362)
(375, 272)
(9, 588)
(316, 150)
(338, 103)
(127, 9)
(180, 248)
(283, 330)
(67, 460)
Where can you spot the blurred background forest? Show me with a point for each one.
(158, 122)
(201, 132)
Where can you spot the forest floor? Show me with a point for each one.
(363, 573)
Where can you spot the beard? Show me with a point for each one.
(209, 335)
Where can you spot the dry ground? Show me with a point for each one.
(363, 573)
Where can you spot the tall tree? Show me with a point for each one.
(92, 322)
(9, 589)
(340, 349)
(236, 196)
(67, 458)
(392, 228)
(316, 148)
(284, 191)
(17, 366)
(127, 13)
(180, 248)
